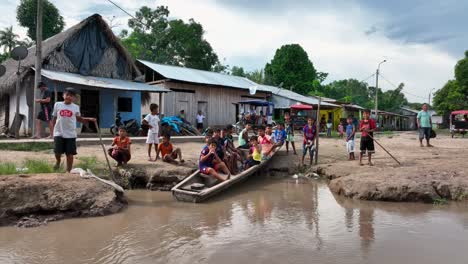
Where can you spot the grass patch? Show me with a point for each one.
(33, 146)
(7, 168)
(87, 163)
(27, 167)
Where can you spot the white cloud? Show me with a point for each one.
(333, 37)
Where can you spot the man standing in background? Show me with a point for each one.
(45, 114)
(424, 125)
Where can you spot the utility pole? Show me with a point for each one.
(377, 90)
(430, 93)
(317, 130)
(38, 66)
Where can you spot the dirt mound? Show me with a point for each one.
(31, 200)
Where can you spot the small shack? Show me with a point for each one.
(214, 94)
(88, 57)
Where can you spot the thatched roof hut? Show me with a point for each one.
(55, 57)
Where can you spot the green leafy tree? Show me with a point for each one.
(451, 97)
(461, 71)
(349, 91)
(26, 14)
(238, 71)
(8, 39)
(292, 67)
(256, 76)
(392, 100)
(155, 37)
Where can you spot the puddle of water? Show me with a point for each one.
(261, 221)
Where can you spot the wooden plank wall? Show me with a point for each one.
(221, 108)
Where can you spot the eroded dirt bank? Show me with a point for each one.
(426, 174)
(31, 200)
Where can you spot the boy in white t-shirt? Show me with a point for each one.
(200, 118)
(152, 121)
(65, 115)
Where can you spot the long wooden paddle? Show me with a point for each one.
(384, 149)
(104, 150)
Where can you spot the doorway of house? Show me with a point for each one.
(89, 108)
(4, 111)
(203, 107)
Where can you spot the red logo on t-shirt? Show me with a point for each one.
(66, 113)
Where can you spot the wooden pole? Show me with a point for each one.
(17, 114)
(38, 66)
(105, 152)
(384, 149)
(317, 131)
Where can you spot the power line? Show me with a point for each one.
(396, 87)
(368, 77)
(128, 13)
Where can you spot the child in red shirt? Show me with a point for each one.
(367, 126)
(121, 147)
(168, 153)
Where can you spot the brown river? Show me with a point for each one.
(260, 221)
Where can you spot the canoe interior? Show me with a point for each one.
(198, 187)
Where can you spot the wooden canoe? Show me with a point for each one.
(185, 191)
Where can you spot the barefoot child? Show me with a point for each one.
(310, 132)
(350, 131)
(121, 147)
(290, 133)
(168, 153)
(233, 155)
(367, 126)
(255, 155)
(152, 121)
(65, 115)
(210, 163)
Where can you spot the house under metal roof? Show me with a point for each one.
(201, 77)
(106, 83)
(276, 91)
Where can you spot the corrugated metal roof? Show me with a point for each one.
(199, 76)
(106, 83)
(276, 91)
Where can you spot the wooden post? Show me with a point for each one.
(38, 66)
(317, 130)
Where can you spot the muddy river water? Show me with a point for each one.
(261, 221)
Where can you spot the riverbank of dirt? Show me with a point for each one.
(33, 200)
(426, 174)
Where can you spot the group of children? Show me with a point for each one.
(219, 154)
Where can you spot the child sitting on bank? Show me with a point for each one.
(120, 150)
(152, 121)
(255, 155)
(350, 132)
(168, 153)
(210, 163)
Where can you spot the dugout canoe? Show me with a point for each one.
(198, 187)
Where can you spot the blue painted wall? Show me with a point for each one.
(108, 106)
(107, 103)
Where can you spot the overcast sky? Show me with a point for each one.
(421, 40)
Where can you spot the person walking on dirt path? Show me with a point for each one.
(290, 133)
(425, 125)
(65, 115)
(45, 115)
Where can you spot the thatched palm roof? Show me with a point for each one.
(7, 81)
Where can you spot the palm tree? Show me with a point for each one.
(8, 39)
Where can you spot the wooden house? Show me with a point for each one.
(87, 57)
(215, 94)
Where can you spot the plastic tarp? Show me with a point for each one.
(256, 102)
(173, 122)
(86, 48)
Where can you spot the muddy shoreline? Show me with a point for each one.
(33, 200)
